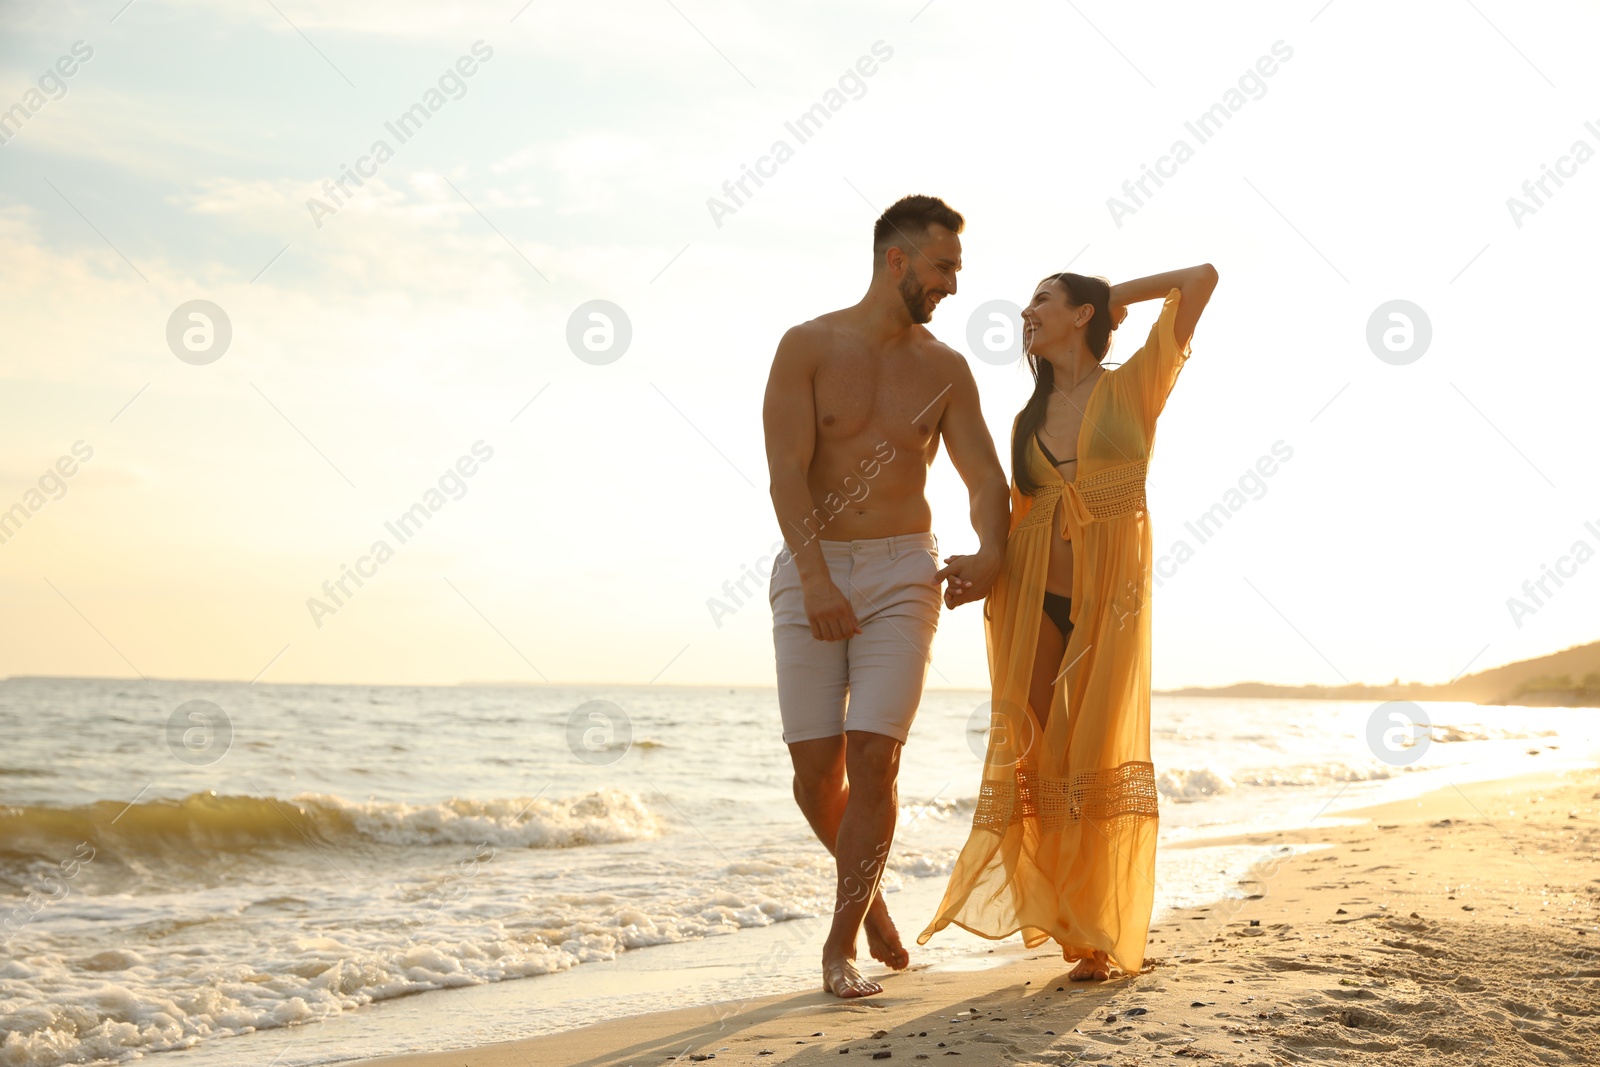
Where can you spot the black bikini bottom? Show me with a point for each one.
(1059, 608)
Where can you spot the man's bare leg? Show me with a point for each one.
(822, 791)
(872, 763)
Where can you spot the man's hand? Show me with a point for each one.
(829, 611)
(969, 577)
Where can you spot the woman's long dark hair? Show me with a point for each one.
(1081, 289)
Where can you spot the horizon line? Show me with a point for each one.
(514, 684)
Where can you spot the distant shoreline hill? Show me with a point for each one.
(1566, 679)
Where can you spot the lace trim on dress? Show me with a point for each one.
(1105, 494)
(1099, 796)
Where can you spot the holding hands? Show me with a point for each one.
(968, 578)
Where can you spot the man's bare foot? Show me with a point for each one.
(1096, 968)
(883, 940)
(841, 978)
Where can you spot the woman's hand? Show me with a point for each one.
(969, 577)
(1118, 313)
(1194, 285)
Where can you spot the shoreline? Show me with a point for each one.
(1459, 926)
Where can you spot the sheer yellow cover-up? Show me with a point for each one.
(1063, 839)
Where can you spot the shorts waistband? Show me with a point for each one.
(885, 547)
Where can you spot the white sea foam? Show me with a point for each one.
(395, 840)
(604, 817)
(172, 992)
(1193, 783)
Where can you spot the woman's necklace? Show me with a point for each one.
(1080, 381)
(1062, 463)
(1086, 377)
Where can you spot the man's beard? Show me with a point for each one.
(916, 299)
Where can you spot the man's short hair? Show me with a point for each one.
(907, 221)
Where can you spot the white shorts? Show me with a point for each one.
(889, 581)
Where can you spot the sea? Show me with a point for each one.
(200, 873)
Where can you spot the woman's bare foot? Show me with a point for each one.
(883, 940)
(1096, 968)
(841, 978)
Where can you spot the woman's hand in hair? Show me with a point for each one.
(1194, 285)
(1118, 313)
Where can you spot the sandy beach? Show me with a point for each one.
(1461, 927)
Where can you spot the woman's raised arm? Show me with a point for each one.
(1194, 285)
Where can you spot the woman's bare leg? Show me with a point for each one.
(1041, 694)
(1046, 665)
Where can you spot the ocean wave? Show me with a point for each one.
(1193, 783)
(212, 823)
(1445, 733)
(65, 997)
(923, 864)
(1197, 783)
(937, 808)
(1323, 774)
(106, 1008)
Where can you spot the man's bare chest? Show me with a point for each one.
(900, 400)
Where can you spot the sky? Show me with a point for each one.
(419, 338)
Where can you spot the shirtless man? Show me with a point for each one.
(855, 406)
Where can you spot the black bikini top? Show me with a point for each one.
(1054, 462)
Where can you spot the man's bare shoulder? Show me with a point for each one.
(941, 356)
(813, 336)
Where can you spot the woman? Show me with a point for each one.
(1064, 836)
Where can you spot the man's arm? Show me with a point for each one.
(1194, 285)
(971, 447)
(789, 415)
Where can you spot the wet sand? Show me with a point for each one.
(1461, 927)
